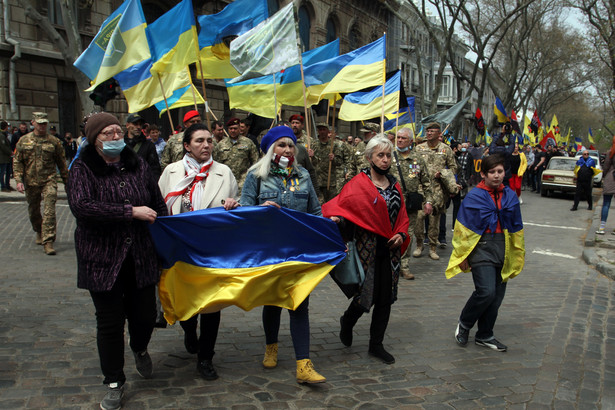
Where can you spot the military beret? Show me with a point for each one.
(433, 125)
(296, 117)
(233, 121)
(190, 115)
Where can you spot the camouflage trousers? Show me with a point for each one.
(405, 260)
(45, 223)
(434, 228)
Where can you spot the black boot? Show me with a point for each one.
(347, 322)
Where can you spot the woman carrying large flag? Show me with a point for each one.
(489, 241)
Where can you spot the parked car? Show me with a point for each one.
(559, 176)
(596, 156)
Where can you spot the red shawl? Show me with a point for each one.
(361, 203)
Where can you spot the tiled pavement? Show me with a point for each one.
(556, 319)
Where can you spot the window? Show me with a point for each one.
(444, 89)
(331, 30)
(354, 37)
(54, 12)
(304, 27)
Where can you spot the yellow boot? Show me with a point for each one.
(271, 356)
(307, 374)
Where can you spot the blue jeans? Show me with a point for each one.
(606, 204)
(299, 327)
(483, 305)
(5, 175)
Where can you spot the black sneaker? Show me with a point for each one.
(144, 364)
(206, 370)
(492, 344)
(113, 398)
(461, 335)
(442, 244)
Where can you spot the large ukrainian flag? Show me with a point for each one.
(120, 43)
(477, 213)
(248, 257)
(257, 95)
(173, 39)
(363, 105)
(235, 19)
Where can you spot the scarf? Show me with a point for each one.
(195, 173)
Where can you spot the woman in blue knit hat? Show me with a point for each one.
(277, 180)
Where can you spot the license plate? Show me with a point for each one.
(563, 180)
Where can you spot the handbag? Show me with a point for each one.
(349, 274)
(414, 200)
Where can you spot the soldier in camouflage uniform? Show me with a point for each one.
(217, 131)
(346, 172)
(415, 179)
(322, 157)
(369, 130)
(34, 167)
(236, 152)
(174, 151)
(296, 123)
(438, 156)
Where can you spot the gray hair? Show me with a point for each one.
(378, 143)
(407, 131)
(262, 167)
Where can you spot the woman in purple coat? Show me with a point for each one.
(113, 196)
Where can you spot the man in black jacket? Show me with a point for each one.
(135, 139)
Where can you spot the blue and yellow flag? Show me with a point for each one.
(590, 135)
(184, 96)
(120, 43)
(142, 89)
(251, 256)
(234, 20)
(403, 121)
(500, 111)
(173, 39)
(363, 105)
(353, 71)
(257, 95)
(479, 213)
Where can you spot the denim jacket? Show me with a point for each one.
(298, 192)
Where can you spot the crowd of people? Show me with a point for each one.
(382, 191)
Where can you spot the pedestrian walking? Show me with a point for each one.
(198, 182)
(608, 187)
(488, 240)
(371, 211)
(36, 157)
(276, 180)
(584, 171)
(114, 198)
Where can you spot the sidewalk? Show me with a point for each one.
(16, 196)
(600, 249)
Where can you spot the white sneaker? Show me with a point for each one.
(520, 200)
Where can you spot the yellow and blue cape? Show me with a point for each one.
(477, 213)
(248, 257)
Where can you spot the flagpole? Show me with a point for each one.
(275, 99)
(332, 142)
(384, 80)
(193, 96)
(165, 102)
(205, 94)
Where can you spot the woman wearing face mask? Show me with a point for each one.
(371, 210)
(114, 198)
(278, 181)
(198, 182)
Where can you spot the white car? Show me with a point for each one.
(596, 156)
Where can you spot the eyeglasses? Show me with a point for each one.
(111, 133)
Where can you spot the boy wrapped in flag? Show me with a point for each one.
(489, 241)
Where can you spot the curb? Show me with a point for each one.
(591, 258)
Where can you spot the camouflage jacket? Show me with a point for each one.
(173, 151)
(349, 167)
(304, 138)
(238, 156)
(413, 172)
(437, 159)
(321, 161)
(36, 160)
(359, 156)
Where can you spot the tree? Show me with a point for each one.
(70, 48)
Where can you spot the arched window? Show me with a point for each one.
(354, 37)
(331, 30)
(304, 27)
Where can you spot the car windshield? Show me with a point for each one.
(563, 164)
